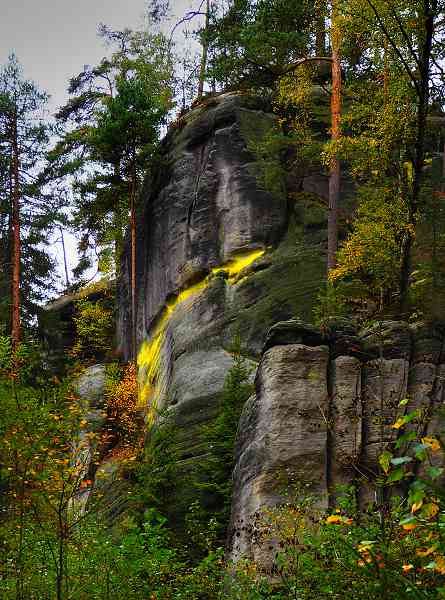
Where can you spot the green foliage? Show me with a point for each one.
(332, 303)
(110, 129)
(22, 107)
(94, 328)
(215, 474)
(253, 41)
(371, 254)
(395, 550)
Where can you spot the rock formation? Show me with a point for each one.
(218, 256)
(323, 412)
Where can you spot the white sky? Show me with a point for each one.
(54, 39)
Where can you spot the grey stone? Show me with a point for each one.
(282, 440)
(346, 420)
(199, 374)
(90, 386)
(293, 332)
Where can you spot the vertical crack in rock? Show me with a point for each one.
(346, 422)
(203, 161)
(282, 442)
(386, 372)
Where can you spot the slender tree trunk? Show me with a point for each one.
(205, 51)
(117, 225)
(385, 72)
(16, 251)
(65, 264)
(320, 28)
(335, 174)
(133, 258)
(419, 149)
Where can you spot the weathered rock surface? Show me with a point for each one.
(205, 214)
(323, 417)
(205, 207)
(90, 389)
(283, 438)
(219, 256)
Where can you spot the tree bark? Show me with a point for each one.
(205, 51)
(117, 224)
(16, 246)
(65, 264)
(423, 92)
(335, 173)
(133, 262)
(320, 28)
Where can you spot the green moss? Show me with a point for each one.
(287, 288)
(254, 125)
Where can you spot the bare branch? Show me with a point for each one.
(405, 36)
(189, 16)
(303, 61)
(395, 47)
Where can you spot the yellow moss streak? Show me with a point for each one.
(149, 357)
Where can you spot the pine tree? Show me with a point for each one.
(114, 119)
(27, 212)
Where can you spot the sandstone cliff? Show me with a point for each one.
(323, 412)
(218, 256)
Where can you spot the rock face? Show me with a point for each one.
(218, 256)
(205, 208)
(322, 414)
(90, 389)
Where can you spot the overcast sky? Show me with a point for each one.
(54, 39)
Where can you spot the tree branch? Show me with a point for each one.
(304, 61)
(188, 17)
(395, 47)
(405, 36)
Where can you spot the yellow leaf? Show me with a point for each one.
(334, 519)
(415, 507)
(432, 442)
(428, 551)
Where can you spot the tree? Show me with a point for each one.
(27, 211)
(256, 42)
(160, 10)
(116, 111)
(381, 148)
(416, 24)
(335, 171)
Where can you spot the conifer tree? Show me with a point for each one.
(113, 124)
(27, 212)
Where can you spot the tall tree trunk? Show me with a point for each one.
(133, 259)
(385, 72)
(117, 224)
(65, 264)
(16, 246)
(427, 18)
(320, 28)
(335, 174)
(205, 51)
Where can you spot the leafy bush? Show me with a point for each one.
(94, 328)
